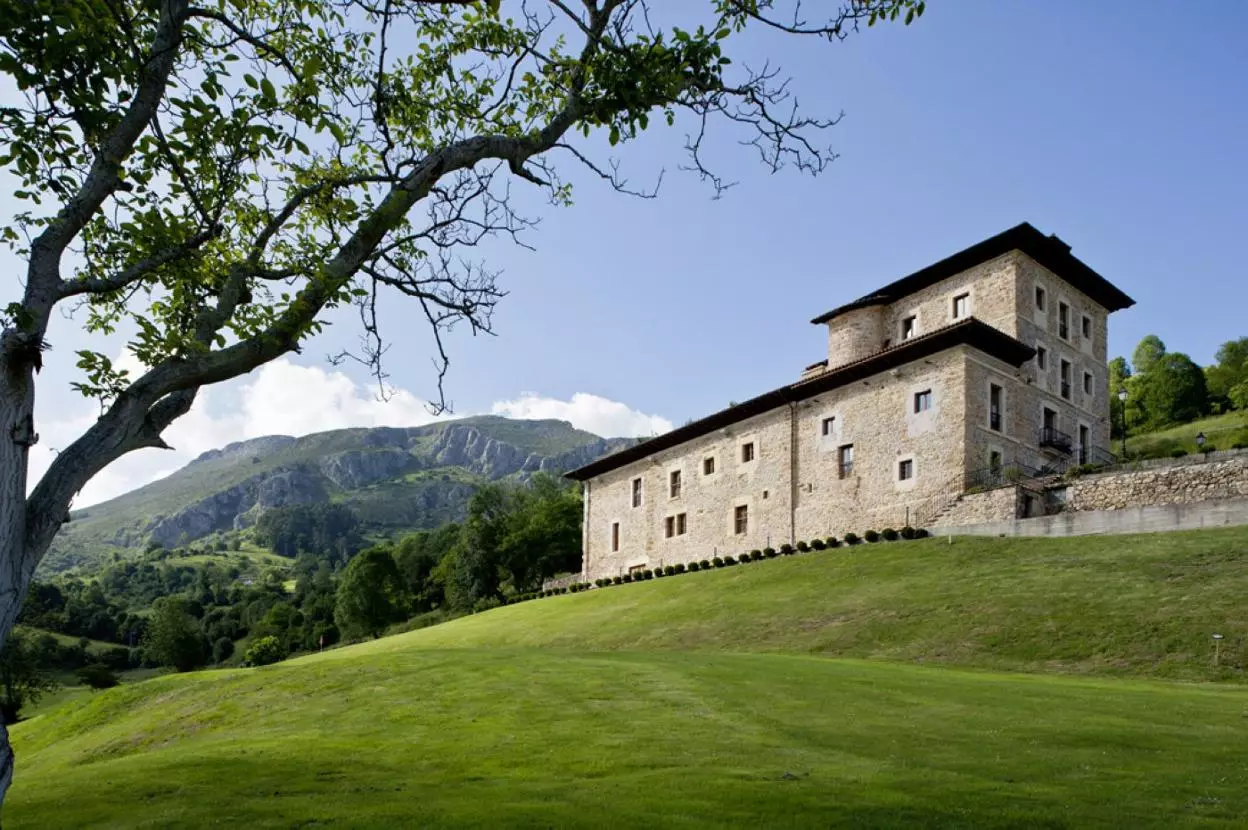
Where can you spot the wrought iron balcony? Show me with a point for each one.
(1054, 439)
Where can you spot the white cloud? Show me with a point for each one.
(595, 414)
(283, 398)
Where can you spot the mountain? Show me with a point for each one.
(393, 478)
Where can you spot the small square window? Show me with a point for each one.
(1041, 303)
(615, 537)
(829, 427)
(741, 519)
(680, 524)
(673, 484)
(669, 526)
(905, 470)
(1087, 327)
(636, 492)
(961, 306)
(747, 452)
(845, 461)
(708, 465)
(1087, 383)
(908, 327)
(1042, 358)
(922, 401)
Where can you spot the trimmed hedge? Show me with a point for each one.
(852, 539)
(786, 549)
(803, 547)
(889, 534)
(832, 542)
(871, 536)
(693, 567)
(705, 565)
(817, 544)
(907, 532)
(756, 555)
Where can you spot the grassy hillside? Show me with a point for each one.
(1221, 431)
(1143, 605)
(525, 738)
(639, 706)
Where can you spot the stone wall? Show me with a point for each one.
(1178, 484)
(996, 505)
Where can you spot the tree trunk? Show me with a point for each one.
(16, 564)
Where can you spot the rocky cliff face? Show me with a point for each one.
(409, 477)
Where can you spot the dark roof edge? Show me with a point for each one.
(1049, 251)
(971, 332)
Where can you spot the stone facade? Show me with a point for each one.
(775, 470)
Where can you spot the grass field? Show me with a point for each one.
(636, 706)
(1221, 431)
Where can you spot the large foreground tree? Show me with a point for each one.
(209, 178)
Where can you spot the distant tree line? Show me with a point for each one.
(182, 610)
(1166, 388)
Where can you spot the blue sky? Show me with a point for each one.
(1120, 126)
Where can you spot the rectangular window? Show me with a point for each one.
(994, 406)
(1040, 298)
(905, 470)
(673, 484)
(1087, 383)
(741, 519)
(636, 492)
(747, 453)
(1042, 358)
(1087, 326)
(845, 460)
(1050, 419)
(615, 536)
(908, 328)
(708, 465)
(922, 401)
(994, 461)
(669, 526)
(1065, 378)
(1063, 321)
(1085, 444)
(680, 524)
(829, 426)
(961, 306)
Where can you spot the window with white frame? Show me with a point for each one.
(845, 461)
(828, 427)
(673, 484)
(909, 327)
(905, 469)
(747, 452)
(922, 401)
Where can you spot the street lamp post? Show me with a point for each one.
(1122, 405)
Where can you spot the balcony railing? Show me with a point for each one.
(991, 477)
(1053, 438)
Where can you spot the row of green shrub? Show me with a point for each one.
(888, 534)
(757, 555)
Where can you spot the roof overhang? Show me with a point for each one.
(1049, 251)
(970, 332)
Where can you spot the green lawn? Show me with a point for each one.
(642, 705)
(1121, 605)
(530, 738)
(1221, 431)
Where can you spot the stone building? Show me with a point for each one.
(987, 364)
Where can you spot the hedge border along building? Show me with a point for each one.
(987, 364)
